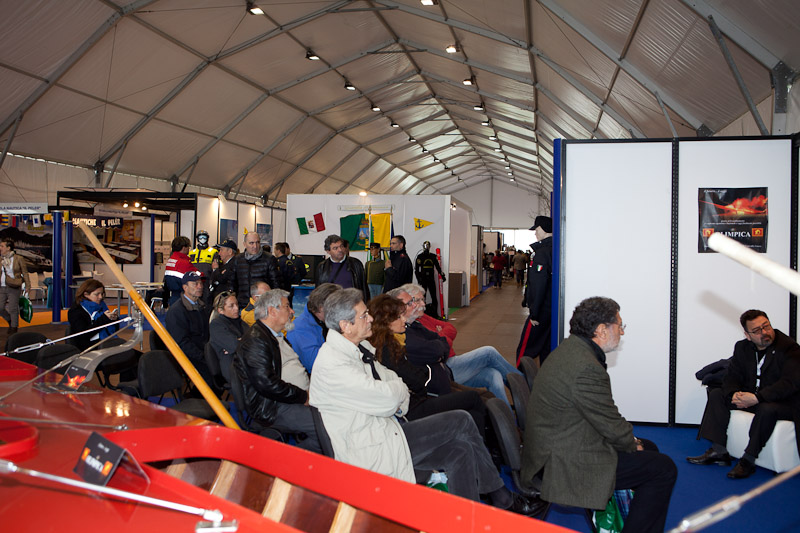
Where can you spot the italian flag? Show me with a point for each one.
(311, 225)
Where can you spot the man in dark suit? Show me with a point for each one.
(576, 436)
(764, 379)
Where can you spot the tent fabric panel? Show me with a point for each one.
(56, 28)
(220, 96)
(16, 88)
(264, 125)
(273, 63)
(301, 143)
(490, 52)
(319, 92)
(205, 25)
(353, 166)
(220, 164)
(329, 155)
(672, 44)
(610, 20)
(160, 149)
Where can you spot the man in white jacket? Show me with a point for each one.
(360, 401)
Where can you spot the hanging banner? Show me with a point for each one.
(23, 208)
(738, 213)
(381, 229)
(123, 242)
(355, 230)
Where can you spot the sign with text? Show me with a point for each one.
(738, 213)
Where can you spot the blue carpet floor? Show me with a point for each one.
(777, 510)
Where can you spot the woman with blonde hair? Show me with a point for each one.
(225, 330)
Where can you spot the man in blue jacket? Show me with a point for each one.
(309, 330)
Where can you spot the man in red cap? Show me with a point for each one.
(535, 338)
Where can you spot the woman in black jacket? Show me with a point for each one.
(388, 338)
(90, 311)
(225, 330)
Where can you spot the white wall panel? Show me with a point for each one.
(617, 244)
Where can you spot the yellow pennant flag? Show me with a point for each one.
(419, 224)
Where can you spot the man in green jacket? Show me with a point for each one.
(375, 270)
(576, 436)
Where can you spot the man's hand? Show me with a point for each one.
(534, 322)
(639, 446)
(388, 263)
(743, 400)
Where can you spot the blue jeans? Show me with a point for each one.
(374, 290)
(483, 367)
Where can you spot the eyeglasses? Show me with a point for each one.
(363, 316)
(621, 326)
(760, 329)
(412, 301)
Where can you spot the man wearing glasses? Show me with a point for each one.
(575, 435)
(764, 379)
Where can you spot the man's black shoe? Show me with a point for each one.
(533, 507)
(711, 457)
(743, 469)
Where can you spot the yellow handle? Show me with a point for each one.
(173, 347)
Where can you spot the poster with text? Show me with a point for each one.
(738, 213)
(33, 239)
(121, 238)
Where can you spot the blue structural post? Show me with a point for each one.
(152, 247)
(555, 208)
(68, 265)
(57, 285)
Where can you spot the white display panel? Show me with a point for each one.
(617, 209)
(714, 290)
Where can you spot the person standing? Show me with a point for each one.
(535, 338)
(398, 267)
(425, 269)
(13, 276)
(254, 265)
(223, 277)
(376, 270)
(520, 261)
(340, 268)
(498, 264)
(177, 266)
(187, 322)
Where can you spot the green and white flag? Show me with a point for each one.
(311, 225)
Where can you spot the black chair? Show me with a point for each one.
(24, 338)
(247, 423)
(528, 367)
(52, 354)
(123, 363)
(212, 361)
(159, 375)
(520, 393)
(508, 438)
(322, 433)
(155, 341)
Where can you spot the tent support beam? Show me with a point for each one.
(782, 77)
(10, 139)
(737, 76)
(666, 116)
(114, 168)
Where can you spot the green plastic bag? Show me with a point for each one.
(610, 519)
(25, 309)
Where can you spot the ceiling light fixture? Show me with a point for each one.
(412, 140)
(478, 107)
(424, 150)
(511, 179)
(394, 125)
(429, 2)
(510, 173)
(349, 86)
(144, 208)
(451, 49)
(492, 138)
(311, 56)
(124, 204)
(469, 81)
(220, 197)
(375, 108)
(254, 9)
(136, 204)
(508, 167)
(498, 149)
(435, 159)
(362, 193)
(485, 123)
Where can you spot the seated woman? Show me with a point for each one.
(90, 311)
(388, 338)
(225, 330)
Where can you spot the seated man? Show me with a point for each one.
(764, 379)
(256, 289)
(359, 400)
(310, 330)
(187, 322)
(482, 367)
(275, 383)
(576, 434)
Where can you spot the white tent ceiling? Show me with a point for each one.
(204, 93)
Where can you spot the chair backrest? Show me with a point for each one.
(520, 392)
(155, 341)
(51, 354)
(212, 361)
(158, 374)
(24, 338)
(509, 441)
(322, 433)
(529, 368)
(237, 391)
(34, 280)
